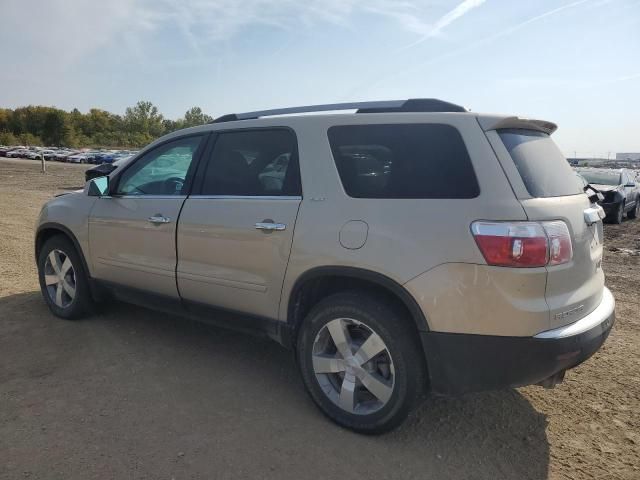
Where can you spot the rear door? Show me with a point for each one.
(236, 229)
(548, 189)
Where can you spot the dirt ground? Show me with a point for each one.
(131, 393)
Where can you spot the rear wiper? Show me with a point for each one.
(597, 195)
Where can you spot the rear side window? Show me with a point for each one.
(544, 170)
(254, 163)
(403, 161)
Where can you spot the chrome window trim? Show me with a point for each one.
(151, 196)
(246, 197)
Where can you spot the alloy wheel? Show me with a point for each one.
(353, 366)
(60, 278)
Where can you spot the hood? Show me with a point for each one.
(604, 188)
(68, 193)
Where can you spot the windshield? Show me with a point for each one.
(602, 178)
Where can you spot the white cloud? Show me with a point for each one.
(417, 66)
(454, 14)
(62, 31)
(461, 9)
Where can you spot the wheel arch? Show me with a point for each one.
(318, 282)
(50, 229)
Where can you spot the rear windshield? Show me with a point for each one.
(403, 161)
(544, 170)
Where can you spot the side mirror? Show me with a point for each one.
(98, 187)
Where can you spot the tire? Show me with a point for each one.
(633, 213)
(618, 215)
(67, 296)
(397, 373)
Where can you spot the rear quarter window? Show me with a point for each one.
(542, 166)
(403, 161)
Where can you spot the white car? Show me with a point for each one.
(78, 158)
(37, 154)
(17, 153)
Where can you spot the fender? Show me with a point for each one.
(362, 274)
(64, 230)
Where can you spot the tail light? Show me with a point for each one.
(523, 244)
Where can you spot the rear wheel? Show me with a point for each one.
(636, 209)
(63, 280)
(360, 362)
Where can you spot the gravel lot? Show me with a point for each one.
(135, 394)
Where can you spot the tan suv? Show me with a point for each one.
(411, 246)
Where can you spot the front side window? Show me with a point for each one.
(403, 161)
(253, 163)
(162, 171)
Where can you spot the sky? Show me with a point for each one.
(574, 62)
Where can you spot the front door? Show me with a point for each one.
(235, 232)
(132, 232)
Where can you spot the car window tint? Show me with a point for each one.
(162, 171)
(253, 163)
(403, 161)
(543, 168)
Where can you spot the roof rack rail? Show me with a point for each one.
(382, 106)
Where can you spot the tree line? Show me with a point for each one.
(50, 126)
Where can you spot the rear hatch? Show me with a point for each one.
(549, 189)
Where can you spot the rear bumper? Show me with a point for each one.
(460, 363)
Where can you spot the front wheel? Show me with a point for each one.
(636, 209)
(361, 362)
(63, 280)
(618, 214)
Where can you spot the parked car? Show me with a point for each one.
(38, 154)
(621, 193)
(63, 155)
(410, 246)
(104, 168)
(81, 157)
(108, 157)
(17, 153)
(50, 154)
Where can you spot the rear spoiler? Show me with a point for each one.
(495, 123)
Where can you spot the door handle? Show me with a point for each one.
(159, 219)
(270, 225)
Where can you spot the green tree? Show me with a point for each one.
(141, 124)
(195, 116)
(69, 135)
(5, 117)
(144, 118)
(54, 127)
(172, 125)
(29, 139)
(8, 138)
